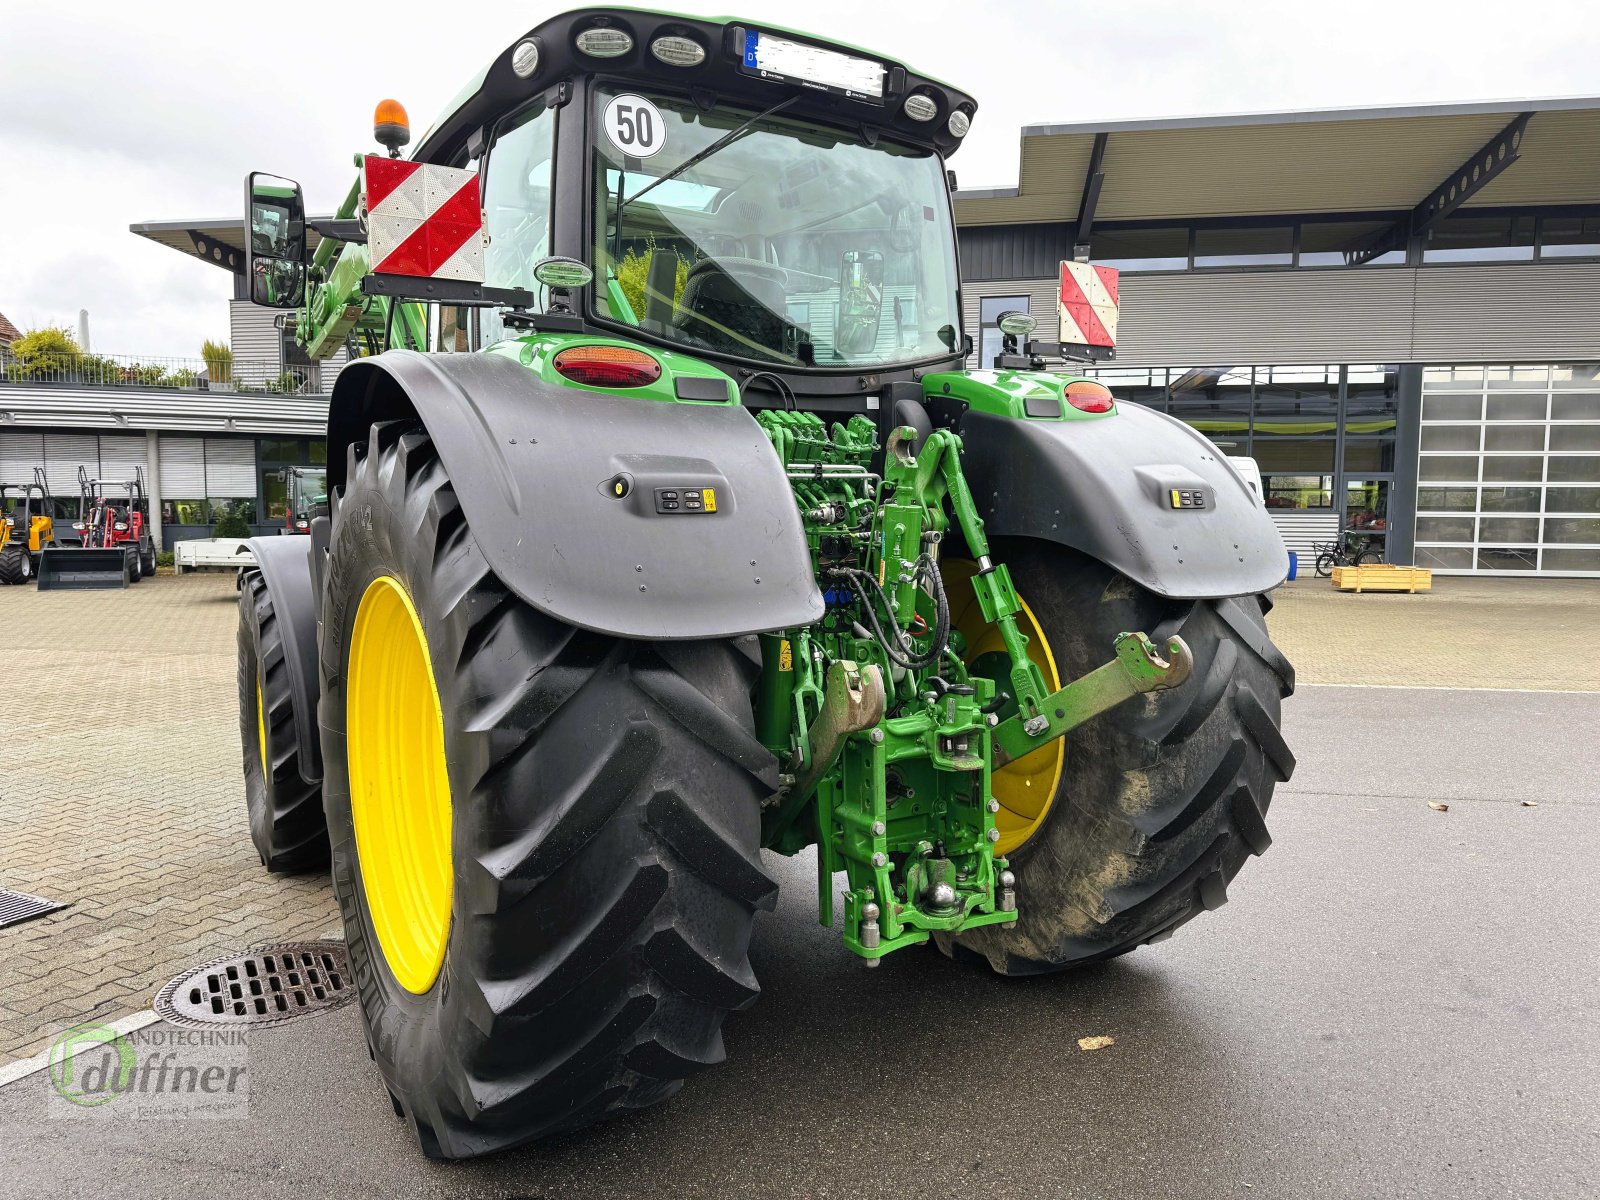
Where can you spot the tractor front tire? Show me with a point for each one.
(15, 565)
(545, 840)
(1161, 800)
(286, 821)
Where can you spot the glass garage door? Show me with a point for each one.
(1509, 474)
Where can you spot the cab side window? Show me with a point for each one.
(516, 204)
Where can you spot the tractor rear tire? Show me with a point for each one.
(1161, 799)
(286, 820)
(147, 560)
(601, 804)
(14, 565)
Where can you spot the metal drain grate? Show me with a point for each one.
(17, 907)
(263, 987)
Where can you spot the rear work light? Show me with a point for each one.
(607, 366)
(1089, 397)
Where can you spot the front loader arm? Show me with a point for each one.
(336, 306)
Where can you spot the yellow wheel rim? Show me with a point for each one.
(261, 725)
(1026, 787)
(399, 784)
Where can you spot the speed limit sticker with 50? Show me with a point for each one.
(634, 126)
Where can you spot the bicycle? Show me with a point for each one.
(1351, 550)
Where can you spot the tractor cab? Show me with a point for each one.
(741, 193)
(305, 492)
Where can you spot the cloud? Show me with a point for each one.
(125, 113)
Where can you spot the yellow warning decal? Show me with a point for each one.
(785, 656)
(1177, 499)
(711, 499)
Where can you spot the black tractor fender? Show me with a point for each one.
(562, 486)
(285, 566)
(1138, 490)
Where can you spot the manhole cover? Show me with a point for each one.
(16, 907)
(263, 987)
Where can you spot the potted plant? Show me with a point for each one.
(219, 363)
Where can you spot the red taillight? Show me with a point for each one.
(1087, 396)
(608, 366)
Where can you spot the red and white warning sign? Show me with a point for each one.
(423, 220)
(1088, 304)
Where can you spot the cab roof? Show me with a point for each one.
(722, 77)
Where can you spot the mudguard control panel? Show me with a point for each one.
(693, 501)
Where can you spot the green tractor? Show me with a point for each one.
(667, 523)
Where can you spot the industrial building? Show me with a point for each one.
(1396, 312)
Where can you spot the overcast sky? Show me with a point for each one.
(117, 113)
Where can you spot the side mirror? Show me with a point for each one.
(861, 277)
(275, 241)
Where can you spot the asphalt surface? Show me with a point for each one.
(1397, 1001)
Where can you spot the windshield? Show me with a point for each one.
(307, 489)
(792, 243)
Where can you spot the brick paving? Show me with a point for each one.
(1466, 633)
(121, 792)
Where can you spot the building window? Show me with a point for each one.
(1298, 491)
(1480, 239)
(1160, 249)
(1258, 246)
(990, 337)
(1325, 243)
(1569, 237)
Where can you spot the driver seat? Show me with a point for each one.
(741, 296)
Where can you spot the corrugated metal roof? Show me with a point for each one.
(179, 235)
(22, 405)
(1262, 164)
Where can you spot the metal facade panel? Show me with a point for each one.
(1301, 530)
(20, 453)
(64, 453)
(1014, 251)
(1524, 312)
(1266, 317)
(183, 468)
(257, 343)
(120, 454)
(52, 406)
(230, 467)
(1528, 312)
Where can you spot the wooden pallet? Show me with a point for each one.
(1382, 577)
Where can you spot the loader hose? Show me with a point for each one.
(894, 642)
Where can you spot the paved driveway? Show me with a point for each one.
(1396, 1002)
